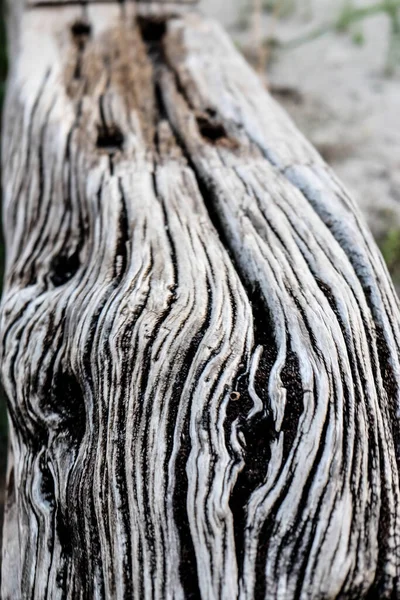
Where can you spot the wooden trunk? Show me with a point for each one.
(199, 338)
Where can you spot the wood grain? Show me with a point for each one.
(199, 338)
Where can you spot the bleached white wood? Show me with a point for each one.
(199, 338)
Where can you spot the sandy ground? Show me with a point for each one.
(338, 94)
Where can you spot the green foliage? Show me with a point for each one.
(345, 17)
(350, 15)
(358, 38)
(281, 8)
(390, 248)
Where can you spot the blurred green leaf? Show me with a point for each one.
(390, 248)
(358, 38)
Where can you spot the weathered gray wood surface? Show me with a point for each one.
(199, 338)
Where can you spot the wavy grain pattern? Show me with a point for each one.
(199, 338)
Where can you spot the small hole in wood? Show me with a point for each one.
(235, 396)
(110, 139)
(63, 268)
(152, 30)
(211, 112)
(211, 130)
(80, 30)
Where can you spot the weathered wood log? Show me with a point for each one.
(199, 338)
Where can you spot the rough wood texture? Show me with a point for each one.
(199, 338)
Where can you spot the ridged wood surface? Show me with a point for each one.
(199, 338)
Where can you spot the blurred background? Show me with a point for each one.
(335, 66)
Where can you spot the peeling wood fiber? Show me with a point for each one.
(199, 338)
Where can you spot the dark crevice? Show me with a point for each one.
(122, 249)
(37, 436)
(65, 538)
(81, 32)
(210, 125)
(162, 113)
(47, 484)
(390, 382)
(294, 408)
(210, 128)
(258, 435)
(266, 532)
(64, 267)
(67, 401)
(109, 138)
(152, 29)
